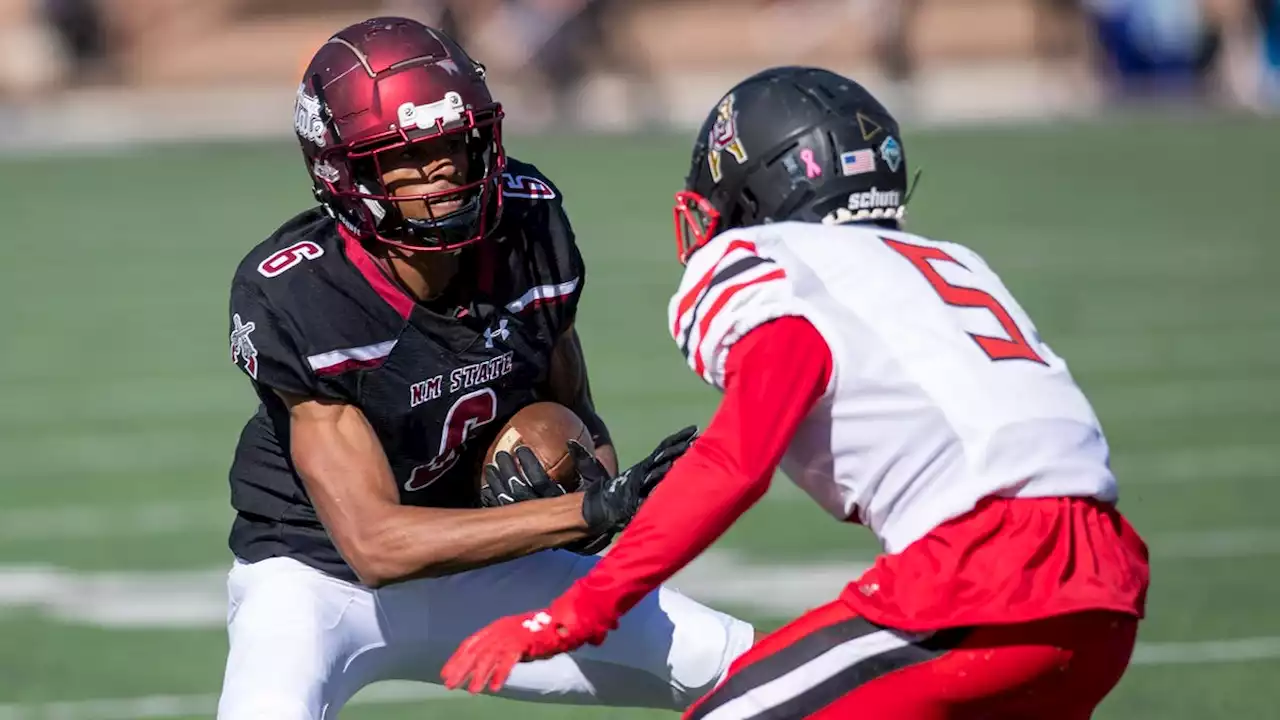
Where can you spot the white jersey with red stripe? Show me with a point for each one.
(942, 392)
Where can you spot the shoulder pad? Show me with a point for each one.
(728, 289)
(296, 303)
(300, 240)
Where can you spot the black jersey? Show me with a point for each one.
(312, 315)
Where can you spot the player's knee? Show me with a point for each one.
(705, 643)
(264, 707)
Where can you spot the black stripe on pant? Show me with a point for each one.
(808, 649)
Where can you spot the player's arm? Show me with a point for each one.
(347, 476)
(567, 384)
(774, 376)
(567, 381)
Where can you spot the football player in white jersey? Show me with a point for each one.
(896, 380)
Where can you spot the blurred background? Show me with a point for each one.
(1114, 160)
(143, 69)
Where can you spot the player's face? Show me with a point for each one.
(430, 166)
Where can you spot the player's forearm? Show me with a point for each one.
(778, 371)
(413, 542)
(672, 528)
(347, 476)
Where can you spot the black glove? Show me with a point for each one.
(611, 502)
(512, 479)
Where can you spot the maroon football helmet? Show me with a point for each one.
(388, 83)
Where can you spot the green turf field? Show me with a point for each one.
(1145, 249)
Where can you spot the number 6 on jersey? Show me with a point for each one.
(289, 257)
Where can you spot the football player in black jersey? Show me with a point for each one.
(388, 332)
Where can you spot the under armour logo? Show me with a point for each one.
(616, 483)
(537, 623)
(501, 333)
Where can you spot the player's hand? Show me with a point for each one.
(513, 478)
(484, 660)
(611, 502)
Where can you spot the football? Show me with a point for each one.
(545, 428)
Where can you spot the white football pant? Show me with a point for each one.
(303, 642)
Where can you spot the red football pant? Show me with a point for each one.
(830, 663)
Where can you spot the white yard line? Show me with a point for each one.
(195, 599)
(152, 707)
(1250, 649)
(172, 706)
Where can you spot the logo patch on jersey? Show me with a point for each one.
(501, 333)
(858, 162)
(524, 186)
(242, 349)
(307, 118)
(724, 138)
(891, 153)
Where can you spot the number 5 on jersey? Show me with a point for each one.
(1015, 347)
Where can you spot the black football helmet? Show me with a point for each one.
(792, 143)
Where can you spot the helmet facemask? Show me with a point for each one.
(353, 177)
(696, 220)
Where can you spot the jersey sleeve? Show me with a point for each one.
(728, 290)
(557, 272)
(570, 266)
(265, 347)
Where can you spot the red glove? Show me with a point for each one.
(488, 656)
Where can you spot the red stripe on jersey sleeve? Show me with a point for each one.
(691, 297)
(698, 365)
